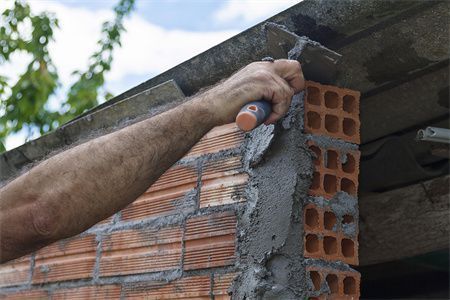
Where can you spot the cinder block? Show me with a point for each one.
(68, 259)
(324, 237)
(222, 282)
(141, 251)
(341, 284)
(165, 196)
(88, 292)
(334, 170)
(210, 241)
(223, 182)
(194, 287)
(33, 294)
(223, 137)
(332, 111)
(15, 272)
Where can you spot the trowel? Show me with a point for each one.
(318, 64)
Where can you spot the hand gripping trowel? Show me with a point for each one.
(318, 64)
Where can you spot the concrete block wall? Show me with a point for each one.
(268, 214)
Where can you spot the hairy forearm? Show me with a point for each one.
(77, 188)
(87, 183)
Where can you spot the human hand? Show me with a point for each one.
(275, 82)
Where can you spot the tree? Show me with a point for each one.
(23, 104)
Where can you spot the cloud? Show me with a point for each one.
(250, 11)
(147, 49)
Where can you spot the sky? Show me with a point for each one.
(160, 34)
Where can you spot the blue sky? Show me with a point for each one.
(151, 45)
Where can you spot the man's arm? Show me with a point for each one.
(75, 189)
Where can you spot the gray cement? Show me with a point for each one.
(270, 227)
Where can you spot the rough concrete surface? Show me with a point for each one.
(270, 226)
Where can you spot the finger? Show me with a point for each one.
(281, 99)
(291, 71)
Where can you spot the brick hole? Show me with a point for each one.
(331, 123)
(350, 164)
(333, 283)
(348, 186)
(348, 126)
(318, 154)
(349, 286)
(331, 100)
(312, 243)
(349, 103)
(348, 248)
(347, 219)
(315, 278)
(329, 184)
(312, 218)
(313, 120)
(313, 95)
(329, 219)
(332, 159)
(316, 181)
(330, 245)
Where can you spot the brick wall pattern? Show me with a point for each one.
(332, 121)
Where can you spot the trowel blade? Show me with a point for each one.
(318, 62)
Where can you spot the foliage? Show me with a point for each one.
(24, 103)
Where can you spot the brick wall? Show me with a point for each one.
(183, 237)
(176, 241)
(330, 214)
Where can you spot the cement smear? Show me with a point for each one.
(270, 227)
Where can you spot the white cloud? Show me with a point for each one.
(148, 48)
(250, 11)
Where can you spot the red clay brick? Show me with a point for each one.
(222, 282)
(333, 174)
(28, 295)
(165, 196)
(15, 272)
(141, 251)
(343, 284)
(332, 111)
(195, 287)
(210, 241)
(68, 259)
(324, 238)
(223, 182)
(88, 292)
(219, 138)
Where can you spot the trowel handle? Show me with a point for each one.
(253, 114)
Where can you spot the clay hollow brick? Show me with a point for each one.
(223, 182)
(334, 170)
(141, 251)
(210, 241)
(88, 292)
(341, 284)
(165, 196)
(220, 138)
(69, 259)
(193, 287)
(221, 284)
(15, 272)
(32, 294)
(332, 111)
(324, 237)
